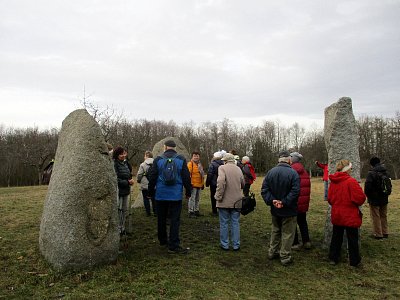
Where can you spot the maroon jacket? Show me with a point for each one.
(345, 195)
(305, 187)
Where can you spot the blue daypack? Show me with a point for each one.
(169, 170)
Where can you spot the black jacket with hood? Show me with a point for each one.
(372, 187)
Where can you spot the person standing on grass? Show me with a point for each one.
(325, 178)
(143, 178)
(302, 203)
(124, 179)
(230, 183)
(168, 194)
(248, 173)
(197, 179)
(377, 199)
(280, 190)
(345, 196)
(211, 181)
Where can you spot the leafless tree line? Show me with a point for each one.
(24, 153)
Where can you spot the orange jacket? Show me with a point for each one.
(195, 174)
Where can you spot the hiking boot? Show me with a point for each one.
(333, 263)
(385, 236)
(236, 249)
(197, 214)
(273, 256)
(287, 261)
(223, 248)
(178, 250)
(297, 247)
(192, 215)
(307, 245)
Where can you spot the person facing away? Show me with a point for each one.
(168, 194)
(143, 178)
(377, 199)
(248, 173)
(197, 179)
(211, 181)
(124, 179)
(280, 190)
(303, 202)
(230, 183)
(325, 177)
(345, 195)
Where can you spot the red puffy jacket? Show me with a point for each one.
(305, 188)
(345, 195)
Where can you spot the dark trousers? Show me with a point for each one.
(146, 202)
(213, 189)
(246, 189)
(172, 210)
(352, 244)
(303, 226)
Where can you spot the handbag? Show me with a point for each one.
(248, 204)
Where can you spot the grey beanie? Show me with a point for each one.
(296, 156)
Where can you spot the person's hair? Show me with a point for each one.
(195, 153)
(148, 154)
(233, 151)
(118, 151)
(341, 164)
(246, 158)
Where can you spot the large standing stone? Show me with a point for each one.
(158, 148)
(79, 227)
(342, 142)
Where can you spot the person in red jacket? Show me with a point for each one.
(324, 178)
(302, 203)
(346, 196)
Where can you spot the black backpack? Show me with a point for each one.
(149, 170)
(385, 183)
(248, 204)
(169, 170)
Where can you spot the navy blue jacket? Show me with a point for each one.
(163, 192)
(212, 173)
(282, 183)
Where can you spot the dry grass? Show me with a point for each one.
(146, 271)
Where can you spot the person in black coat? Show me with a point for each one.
(124, 179)
(377, 199)
(211, 181)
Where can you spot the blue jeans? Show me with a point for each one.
(172, 210)
(226, 215)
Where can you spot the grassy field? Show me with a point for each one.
(145, 271)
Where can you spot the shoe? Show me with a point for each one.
(192, 215)
(378, 237)
(287, 261)
(197, 214)
(215, 214)
(178, 250)
(307, 245)
(385, 236)
(223, 248)
(236, 249)
(273, 256)
(297, 246)
(333, 263)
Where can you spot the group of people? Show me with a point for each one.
(286, 189)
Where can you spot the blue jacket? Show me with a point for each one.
(212, 173)
(163, 192)
(281, 183)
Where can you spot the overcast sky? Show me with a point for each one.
(198, 60)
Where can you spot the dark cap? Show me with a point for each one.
(170, 143)
(284, 153)
(374, 161)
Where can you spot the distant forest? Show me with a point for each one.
(24, 153)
